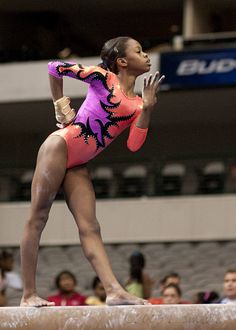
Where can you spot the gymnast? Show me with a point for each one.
(110, 107)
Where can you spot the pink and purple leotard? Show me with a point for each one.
(104, 114)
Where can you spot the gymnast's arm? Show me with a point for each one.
(63, 112)
(87, 74)
(57, 69)
(138, 132)
(56, 86)
(139, 127)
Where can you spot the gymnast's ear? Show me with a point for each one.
(121, 62)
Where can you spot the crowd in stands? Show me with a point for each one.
(139, 283)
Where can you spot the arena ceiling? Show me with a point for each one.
(98, 6)
(84, 25)
(87, 24)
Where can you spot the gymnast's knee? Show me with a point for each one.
(87, 233)
(37, 221)
(88, 227)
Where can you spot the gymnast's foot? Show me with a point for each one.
(124, 298)
(35, 301)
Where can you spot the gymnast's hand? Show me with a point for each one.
(63, 112)
(150, 88)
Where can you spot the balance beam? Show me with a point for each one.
(159, 317)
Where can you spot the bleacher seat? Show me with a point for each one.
(171, 179)
(6, 188)
(102, 178)
(25, 181)
(212, 178)
(134, 181)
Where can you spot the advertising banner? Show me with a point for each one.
(198, 69)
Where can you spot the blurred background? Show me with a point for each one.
(174, 200)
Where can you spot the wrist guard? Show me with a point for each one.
(63, 112)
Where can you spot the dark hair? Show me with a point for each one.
(111, 50)
(5, 254)
(137, 263)
(165, 278)
(207, 297)
(174, 286)
(95, 282)
(230, 271)
(64, 272)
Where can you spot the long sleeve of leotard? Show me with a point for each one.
(137, 136)
(87, 74)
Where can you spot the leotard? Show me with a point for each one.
(105, 113)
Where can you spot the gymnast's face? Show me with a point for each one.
(230, 285)
(136, 61)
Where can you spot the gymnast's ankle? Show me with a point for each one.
(28, 294)
(114, 289)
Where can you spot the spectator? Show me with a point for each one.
(229, 287)
(139, 283)
(3, 299)
(171, 294)
(171, 278)
(205, 297)
(99, 297)
(13, 279)
(67, 295)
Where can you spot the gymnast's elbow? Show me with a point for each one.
(133, 147)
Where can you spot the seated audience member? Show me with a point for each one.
(229, 287)
(139, 283)
(171, 294)
(12, 278)
(3, 299)
(171, 278)
(99, 297)
(67, 295)
(205, 297)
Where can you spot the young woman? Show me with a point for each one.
(172, 294)
(110, 107)
(139, 283)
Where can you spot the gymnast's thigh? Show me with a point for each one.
(79, 151)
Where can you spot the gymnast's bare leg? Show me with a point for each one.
(81, 202)
(49, 174)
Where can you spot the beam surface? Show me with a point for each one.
(168, 317)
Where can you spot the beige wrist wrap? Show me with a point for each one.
(63, 112)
